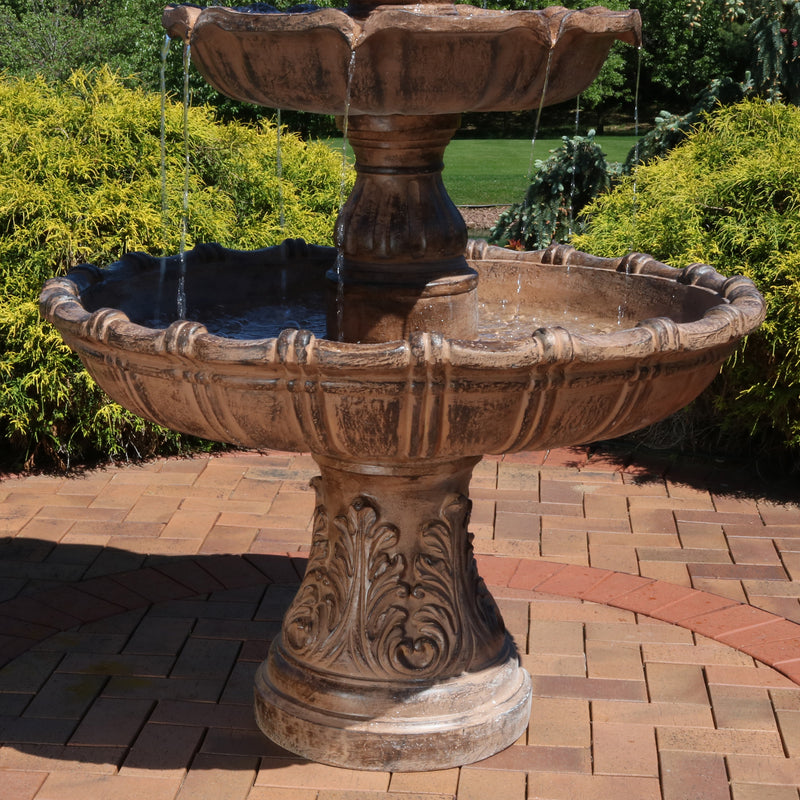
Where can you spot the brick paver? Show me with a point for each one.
(657, 614)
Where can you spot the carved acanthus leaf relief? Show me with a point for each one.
(448, 571)
(376, 603)
(319, 607)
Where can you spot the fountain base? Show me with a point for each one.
(393, 655)
(413, 730)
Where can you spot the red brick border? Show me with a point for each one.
(767, 637)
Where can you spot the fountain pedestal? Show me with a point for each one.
(393, 655)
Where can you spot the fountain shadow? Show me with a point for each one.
(151, 668)
(725, 476)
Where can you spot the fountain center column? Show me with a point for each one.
(403, 267)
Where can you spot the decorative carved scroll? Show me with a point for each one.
(383, 603)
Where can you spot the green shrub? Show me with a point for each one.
(80, 181)
(669, 130)
(562, 185)
(728, 196)
(577, 171)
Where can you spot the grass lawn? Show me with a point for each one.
(495, 171)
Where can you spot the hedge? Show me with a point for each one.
(81, 181)
(728, 196)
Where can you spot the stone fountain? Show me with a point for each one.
(415, 354)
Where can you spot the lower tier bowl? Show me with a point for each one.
(572, 348)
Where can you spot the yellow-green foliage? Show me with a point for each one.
(80, 181)
(729, 196)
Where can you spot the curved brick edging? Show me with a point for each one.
(769, 638)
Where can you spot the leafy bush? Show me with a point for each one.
(575, 173)
(562, 185)
(729, 196)
(670, 129)
(80, 181)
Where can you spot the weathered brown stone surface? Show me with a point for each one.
(418, 59)
(390, 657)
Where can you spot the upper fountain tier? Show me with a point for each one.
(436, 58)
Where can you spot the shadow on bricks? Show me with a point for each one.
(140, 669)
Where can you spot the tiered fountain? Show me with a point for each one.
(435, 351)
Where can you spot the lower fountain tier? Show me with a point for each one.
(393, 654)
(577, 349)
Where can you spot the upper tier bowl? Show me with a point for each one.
(411, 60)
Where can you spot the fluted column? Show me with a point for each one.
(402, 243)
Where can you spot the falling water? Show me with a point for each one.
(573, 171)
(287, 308)
(163, 140)
(577, 115)
(163, 83)
(533, 146)
(636, 144)
(622, 309)
(553, 45)
(571, 204)
(279, 173)
(531, 162)
(339, 234)
(571, 207)
(519, 295)
(624, 306)
(539, 110)
(187, 58)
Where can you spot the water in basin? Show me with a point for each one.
(495, 323)
(513, 302)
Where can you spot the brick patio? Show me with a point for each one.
(657, 610)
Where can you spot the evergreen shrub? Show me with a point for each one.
(561, 186)
(577, 171)
(729, 195)
(80, 181)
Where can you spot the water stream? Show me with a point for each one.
(571, 207)
(635, 168)
(187, 58)
(538, 120)
(163, 138)
(339, 232)
(531, 160)
(163, 155)
(279, 173)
